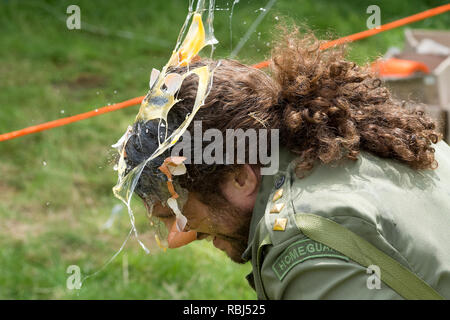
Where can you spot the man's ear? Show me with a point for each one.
(246, 180)
(241, 186)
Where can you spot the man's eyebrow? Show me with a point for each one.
(164, 215)
(169, 214)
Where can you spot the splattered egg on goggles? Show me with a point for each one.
(159, 182)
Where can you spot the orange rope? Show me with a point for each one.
(67, 120)
(264, 64)
(372, 32)
(389, 26)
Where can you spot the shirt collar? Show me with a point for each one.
(265, 189)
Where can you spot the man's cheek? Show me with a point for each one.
(200, 223)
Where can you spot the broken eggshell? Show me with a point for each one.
(180, 218)
(153, 77)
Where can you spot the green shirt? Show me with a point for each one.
(405, 213)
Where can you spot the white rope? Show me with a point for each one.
(252, 28)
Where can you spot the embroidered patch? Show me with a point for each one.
(300, 251)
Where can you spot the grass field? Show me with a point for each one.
(55, 186)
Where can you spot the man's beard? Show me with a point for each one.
(225, 216)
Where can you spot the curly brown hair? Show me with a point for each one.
(326, 108)
(342, 108)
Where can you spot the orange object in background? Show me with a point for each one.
(398, 68)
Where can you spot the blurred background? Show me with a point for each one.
(56, 204)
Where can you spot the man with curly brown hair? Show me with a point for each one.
(360, 205)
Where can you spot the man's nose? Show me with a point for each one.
(178, 239)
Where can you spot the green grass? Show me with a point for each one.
(55, 186)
